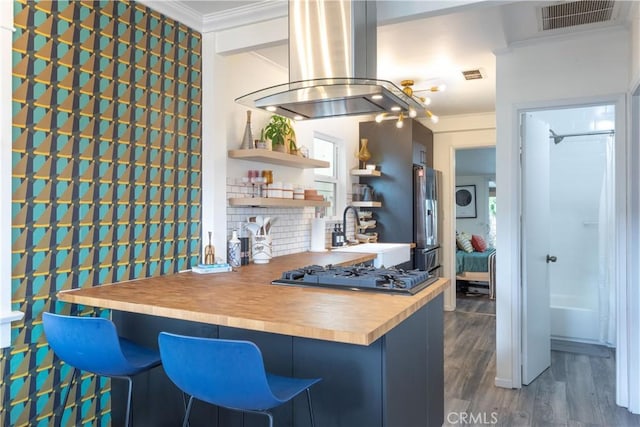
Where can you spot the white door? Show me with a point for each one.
(536, 335)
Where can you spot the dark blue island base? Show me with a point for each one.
(397, 381)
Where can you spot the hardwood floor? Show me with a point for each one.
(576, 391)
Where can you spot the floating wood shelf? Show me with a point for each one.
(277, 158)
(366, 204)
(274, 202)
(365, 172)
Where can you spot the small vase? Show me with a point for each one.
(233, 255)
(364, 155)
(247, 139)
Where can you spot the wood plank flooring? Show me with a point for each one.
(576, 391)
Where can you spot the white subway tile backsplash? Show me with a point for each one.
(291, 227)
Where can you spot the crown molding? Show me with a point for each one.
(176, 11)
(563, 36)
(239, 16)
(250, 14)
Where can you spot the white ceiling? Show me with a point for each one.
(432, 42)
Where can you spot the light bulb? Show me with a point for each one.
(412, 113)
(395, 108)
(400, 121)
(433, 117)
(376, 96)
(442, 87)
(426, 100)
(379, 117)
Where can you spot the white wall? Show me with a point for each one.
(631, 395)
(225, 78)
(451, 133)
(551, 72)
(6, 315)
(635, 44)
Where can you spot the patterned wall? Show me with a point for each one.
(106, 177)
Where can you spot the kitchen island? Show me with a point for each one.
(380, 355)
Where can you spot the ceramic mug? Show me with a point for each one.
(261, 249)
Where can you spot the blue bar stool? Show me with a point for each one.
(227, 373)
(92, 344)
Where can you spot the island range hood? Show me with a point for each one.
(332, 66)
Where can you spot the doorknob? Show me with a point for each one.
(551, 258)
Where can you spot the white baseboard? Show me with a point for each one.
(504, 383)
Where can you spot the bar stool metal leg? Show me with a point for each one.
(310, 408)
(66, 396)
(185, 422)
(129, 401)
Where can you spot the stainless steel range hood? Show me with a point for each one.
(332, 65)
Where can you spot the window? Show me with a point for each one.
(326, 179)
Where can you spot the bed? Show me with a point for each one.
(477, 267)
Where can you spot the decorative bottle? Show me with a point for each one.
(247, 139)
(209, 253)
(234, 250)
(364, 155)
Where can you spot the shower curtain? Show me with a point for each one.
(606, 232)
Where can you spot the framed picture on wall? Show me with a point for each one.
(466, 201)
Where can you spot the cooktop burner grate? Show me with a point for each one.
(358, 278)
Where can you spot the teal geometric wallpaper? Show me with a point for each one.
(106, 178)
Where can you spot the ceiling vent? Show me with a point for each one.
(570, 14)
(472, 74)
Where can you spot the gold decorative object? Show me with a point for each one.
(406, 87)
(364, 155)
(209, 252)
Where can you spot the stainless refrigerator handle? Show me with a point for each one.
(429, 221)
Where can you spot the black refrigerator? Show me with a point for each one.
(426, 218)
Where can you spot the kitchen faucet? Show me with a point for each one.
(344, 223)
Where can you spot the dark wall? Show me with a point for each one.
(395, 151)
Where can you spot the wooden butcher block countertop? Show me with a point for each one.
(246, 299)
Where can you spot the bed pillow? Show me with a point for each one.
(463, 240)
(478, 243)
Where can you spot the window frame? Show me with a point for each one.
(338, 179)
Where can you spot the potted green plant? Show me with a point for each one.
(280, 131)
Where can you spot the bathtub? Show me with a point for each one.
(574, 320)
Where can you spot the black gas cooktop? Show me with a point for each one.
(392, 280)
